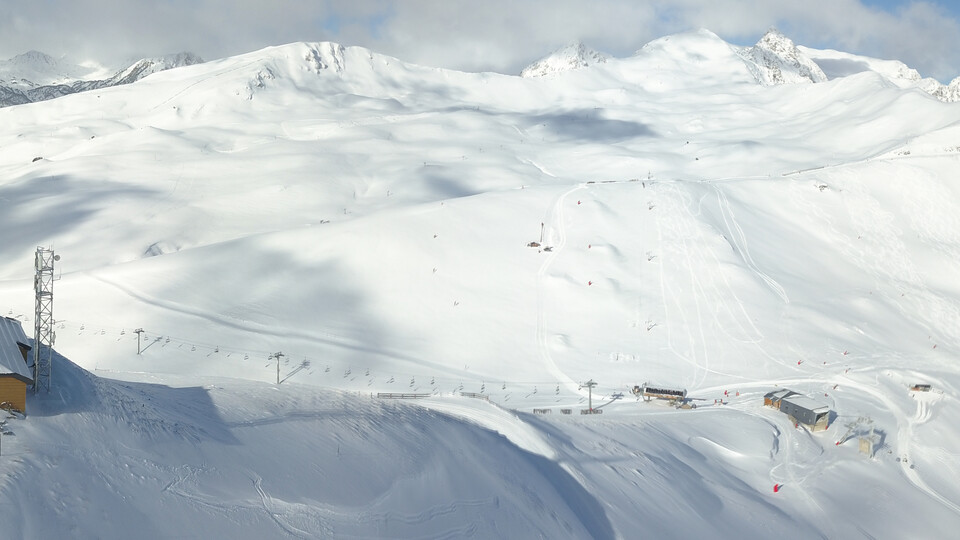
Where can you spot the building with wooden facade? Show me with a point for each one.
(15, 376)
(799, 408)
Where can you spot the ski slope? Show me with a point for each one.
(371, 220)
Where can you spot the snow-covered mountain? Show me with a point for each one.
(34, 68)
(841, 64)
(35, 76)
(261, 254)
(776, 60)
(573, 56)
(148, 66)
(949, 92)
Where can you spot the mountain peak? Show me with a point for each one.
(775, 59)
(949, 93)
(147, 66)
(33, 59)
(573, 56)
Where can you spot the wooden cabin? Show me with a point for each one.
(15, 376)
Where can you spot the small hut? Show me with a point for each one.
(14, 374)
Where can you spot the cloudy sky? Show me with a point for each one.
(471, 35)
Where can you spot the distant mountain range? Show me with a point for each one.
(774, 60)
(35, 76)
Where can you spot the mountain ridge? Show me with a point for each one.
(59, 79)
(774, 60)
(574, 55)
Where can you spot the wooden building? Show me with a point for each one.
(800, 409)
(15, 376)
(772, 399)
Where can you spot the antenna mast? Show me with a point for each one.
(43, 336)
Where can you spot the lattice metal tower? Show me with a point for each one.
(43, 336)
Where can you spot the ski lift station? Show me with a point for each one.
(648, 391)
(800, 409)
(15, 376)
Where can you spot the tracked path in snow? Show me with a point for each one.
(740, 241)
(555, 219)
(905, 427)
(316, 336)
(904, 436)
(715, 301)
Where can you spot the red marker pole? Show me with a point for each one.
(776, 488)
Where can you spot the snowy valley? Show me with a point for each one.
(726, 220)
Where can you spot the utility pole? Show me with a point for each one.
(590, 384)
(277, 355)
(138, 331)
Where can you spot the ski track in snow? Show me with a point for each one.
(316, 336)
(673, 203)
(905, 427)
(555, 218)
(740, 240)
(904, 435)
(665, 217)
(267, 503)
(185, 89)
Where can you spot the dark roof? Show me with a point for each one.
(12, 339)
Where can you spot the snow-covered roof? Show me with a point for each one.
(807, 403)
(11, 359)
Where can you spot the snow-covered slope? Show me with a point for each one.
(841, 64)
(573, 56)
(229, 458)
(403, 229)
